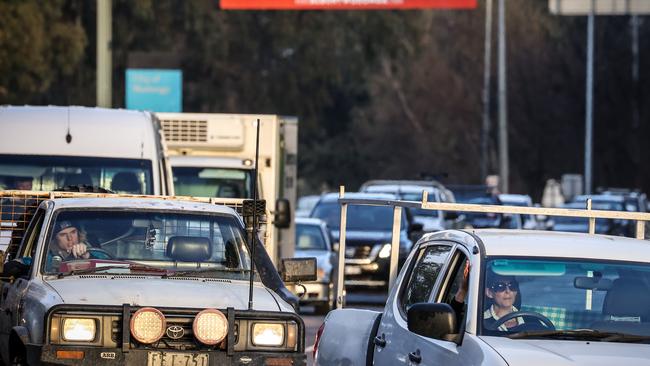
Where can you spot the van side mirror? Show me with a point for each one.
(298, 269)
(282, 213)
(432, 320)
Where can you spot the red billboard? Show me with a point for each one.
(346, 4)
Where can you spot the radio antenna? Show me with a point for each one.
(254, 231)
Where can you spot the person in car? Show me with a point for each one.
(68, 242)
(503, 292)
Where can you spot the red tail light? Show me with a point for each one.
(318, 334)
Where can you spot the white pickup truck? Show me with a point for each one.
(102, 279)
(505, 297)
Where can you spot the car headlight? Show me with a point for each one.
(79, 329)
(147, 325)
(385, 251)
(268, 334)
(210, 326)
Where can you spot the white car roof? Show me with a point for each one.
(516, 198)
(144, 204)
(98, 132)
(563, 245)
(394, 188)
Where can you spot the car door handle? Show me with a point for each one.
(415, 357)
(380, 341)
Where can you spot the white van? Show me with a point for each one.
(48, 148)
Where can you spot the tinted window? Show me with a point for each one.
(47, 173)
(429, 262)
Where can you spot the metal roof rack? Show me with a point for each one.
(641, 219)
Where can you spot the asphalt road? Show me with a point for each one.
(355, 299)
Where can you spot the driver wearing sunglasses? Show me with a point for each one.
(503, 291)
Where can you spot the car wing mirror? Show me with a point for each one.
(298, 270)
(15, 269)
(416, 227)
(432, 320)
(282, 213)
(451, 215)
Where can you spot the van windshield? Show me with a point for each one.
(47, 173)
(212, 182)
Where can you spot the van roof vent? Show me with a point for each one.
(185, 130)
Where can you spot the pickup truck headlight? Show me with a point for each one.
(385, 251)
(210, 326)
(148, 325)
(79, 329)
(268, 334)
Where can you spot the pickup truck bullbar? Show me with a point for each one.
(641, 219)
(18, 207)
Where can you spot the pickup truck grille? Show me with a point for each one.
(185, 342)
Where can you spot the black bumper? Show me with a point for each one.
(47, 355)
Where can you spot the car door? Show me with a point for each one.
(431, 351)
(11, 292)
(394, 341)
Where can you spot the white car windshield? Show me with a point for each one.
(529, 295)
(166, 243)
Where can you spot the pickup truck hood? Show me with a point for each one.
(184, 292)
(534, 352)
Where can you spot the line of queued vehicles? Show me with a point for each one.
(369, 227)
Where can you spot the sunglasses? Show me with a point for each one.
(501, 286)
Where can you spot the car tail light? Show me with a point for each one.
(318, 335)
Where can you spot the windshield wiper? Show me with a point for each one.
(131, 267)
(206, 270)
(582, 334)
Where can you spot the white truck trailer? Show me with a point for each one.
(213, 155)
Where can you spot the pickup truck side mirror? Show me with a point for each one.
(282, 213)
(298, 269)
(451, 215)
(432, 320)
(15, 268)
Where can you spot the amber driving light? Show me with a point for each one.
(210, 326)
(147, 325)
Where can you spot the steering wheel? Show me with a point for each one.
(523, 314)
(99, 253)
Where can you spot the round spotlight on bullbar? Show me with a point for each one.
(210, 326)
(148, 325)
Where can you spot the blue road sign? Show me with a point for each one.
(155, 90)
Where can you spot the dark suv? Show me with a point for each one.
(368, 238)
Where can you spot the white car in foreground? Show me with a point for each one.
(504, 297)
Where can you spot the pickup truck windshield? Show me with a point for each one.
(212, 182)
(48, 173)
(553, 298)
(163, 242)
(360, 217)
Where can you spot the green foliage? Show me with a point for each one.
(39, 43)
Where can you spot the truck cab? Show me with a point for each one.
(213, 155)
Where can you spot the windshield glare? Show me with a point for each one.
(309, 237)
(48, 173)
(571, 295)
(212, 245)
(212, 182)
(359, 217)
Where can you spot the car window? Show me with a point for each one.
(309, 237)
(428, 263)
(571, 295)
(28, 249)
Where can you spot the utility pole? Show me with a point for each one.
(485, 132)
(589, 118)
(634, 24)
(104, 53)
(503, 102)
